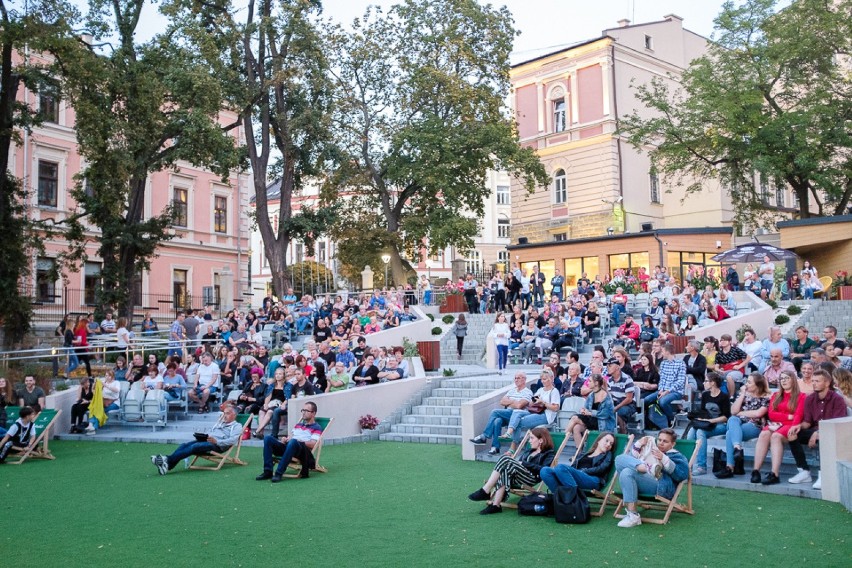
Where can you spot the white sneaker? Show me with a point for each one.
(804, 476)
(818, 484)
(90, 428)
(631, 520)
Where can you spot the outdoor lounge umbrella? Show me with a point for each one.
(753, 252)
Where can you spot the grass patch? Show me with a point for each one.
(382, 504)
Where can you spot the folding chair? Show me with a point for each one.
(43, 423)
(295, 464)
(232, 455)
(560, 439)
(657, 503)
(604, 494)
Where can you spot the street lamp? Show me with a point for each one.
(386, 259)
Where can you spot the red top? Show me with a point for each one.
(782, 415)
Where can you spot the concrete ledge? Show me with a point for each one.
(844, 478)
(62, 400)
(759, 318)
(835, 446)
(420, 330)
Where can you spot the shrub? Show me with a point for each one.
(449, 318)
(782, 319)
(448, 372)
(431, 317)
(437, 331)
(772, 303)
(794, 310)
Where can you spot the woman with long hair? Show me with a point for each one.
(748, 415)
(786, 409)
(81, 343)
(597, 414)
(588, 472)
(502, 334)
(460, 331)
(516, 472)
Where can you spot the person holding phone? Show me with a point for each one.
(222, 436)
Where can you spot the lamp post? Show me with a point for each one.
(386, 259)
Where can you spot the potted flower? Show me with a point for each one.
(841, 285)
(368, 422)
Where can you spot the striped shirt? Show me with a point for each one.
(672, 375)
(305, 432)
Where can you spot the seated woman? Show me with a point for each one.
(648, 331)
(516, 336)
(111, 394)
(252, 398)
(173, 383)
(588, 472)
(597, 414)
(516, 472)
(645, 375)
(81, 407)
(748, 414)
(547, 397)
(786, 409)
(716, 406)
(591, 320)
(275, 398)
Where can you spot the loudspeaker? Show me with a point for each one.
(647, 227)
(523, 240)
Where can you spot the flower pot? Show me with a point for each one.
(453, 304)
(844, 292)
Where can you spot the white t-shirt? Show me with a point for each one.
(208, 375)
(551, 397)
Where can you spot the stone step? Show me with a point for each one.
(421, 438)
(437, 410)
(437, 420)
(485, 383)
(443, 401)
(466, 394)
(428, 429)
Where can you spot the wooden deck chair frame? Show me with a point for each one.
(232, 455)
(604, 495)
(528, 489)
(43, 424)
(295, 464)
(657, 503)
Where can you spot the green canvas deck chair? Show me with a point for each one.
(296, 465)
(560, 439)
(43, 425)
(604, 494)
(232, 455)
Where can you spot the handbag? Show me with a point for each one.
(655, 418)
(536, 505)
(570, 505)
(536, 407)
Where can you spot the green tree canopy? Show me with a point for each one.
(420, 119)
(771, 100)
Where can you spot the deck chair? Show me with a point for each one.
(657, 503)
(560, 439)
(296, 465)
(604, 494)
(826, 286)
(43, 424)
(12, 414)
(231, 455)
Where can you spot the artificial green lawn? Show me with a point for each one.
(381, 504)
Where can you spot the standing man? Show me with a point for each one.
(299, 444)
(823, 404)
(675, 468)
(537, 283)
(526, 283)
(191, 325)
(222, 436)
(177, 336)
(557, 284)
(672, 383)
(470, 285)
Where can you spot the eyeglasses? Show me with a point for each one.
(307, 410)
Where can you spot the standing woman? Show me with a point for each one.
(81, 407)
(81, 342)
(68, 343)
(786, 409)
(501, 340)
(516, 472)
(460, 330)
(498, 285)
(597, 414)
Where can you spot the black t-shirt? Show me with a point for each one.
(321, 334)
(358, 352)
(330, 358)
(716, 406)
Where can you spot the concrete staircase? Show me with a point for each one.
(834, 312)
(437, 420)
(478, 326)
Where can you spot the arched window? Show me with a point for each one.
(559, 115)
(560, 187)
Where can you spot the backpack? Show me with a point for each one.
(655, 418)
(570, 505)
(536, 505)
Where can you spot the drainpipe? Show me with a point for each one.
(662, 260)
(618, 138)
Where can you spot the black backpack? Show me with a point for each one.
(536, 505)
(570, 505)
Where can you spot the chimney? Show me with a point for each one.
(672, 17)
(623, 23)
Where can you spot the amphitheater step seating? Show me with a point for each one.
(834, 312)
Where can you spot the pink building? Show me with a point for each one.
(206, 262)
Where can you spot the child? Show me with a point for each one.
(643, 450)
(20, 435)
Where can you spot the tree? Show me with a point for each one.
(140, 108)
(276, 58)
(420, 119)
(770, 100)
(44, 25)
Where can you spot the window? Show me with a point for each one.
(764, 190)
(503, 196)
(560, 237)
(300, 252)
(473, 261)
(560, 187)
(779, 194)
(655, 187)
(575, 267)
(91, 282)
(321, 252)
(678, 263)
(179, 288)
(630, 260)
(220, 214)
(503, 256)
(88, 188)
(45, 280)
(48, 183)
(180, 204)
(503, 227)
(559, 115)
(48, 105)
(649, 42)
(136, 290)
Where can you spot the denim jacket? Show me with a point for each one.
(605, 412)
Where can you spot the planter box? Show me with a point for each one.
(679, 342)
(430, 354)
(844, 292)
(453, 304)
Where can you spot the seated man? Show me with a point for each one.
(823, 404)
(20, 435)
(672, 383)
(518, 398)
(206, 381)
(731, 363)
(222, 436)
(391, 372)
(654, 311)
(298, 445)
(776, 366)
(338, 379)
(31, 395)
(675, 468)
(627, 332)
(564, 336)
(619, 304)
(621, 391)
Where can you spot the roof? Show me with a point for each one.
(815, 221)
(657, 232)
(562, 48)
(273, 191)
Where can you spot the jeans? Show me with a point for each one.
(563, 475)
(277, 415)
(698, 433)
(522, 420)
(302, 323)
(502, 356)
(627, 411)
(665, 403)
(496, 419)
(809, 293)
(632, 482)
(736, 434)
(73, 361)
(617, 310)
(273, 447)
(427, 298)
(173, 395)
(190, 449)
(525, 300)
(94, 421)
